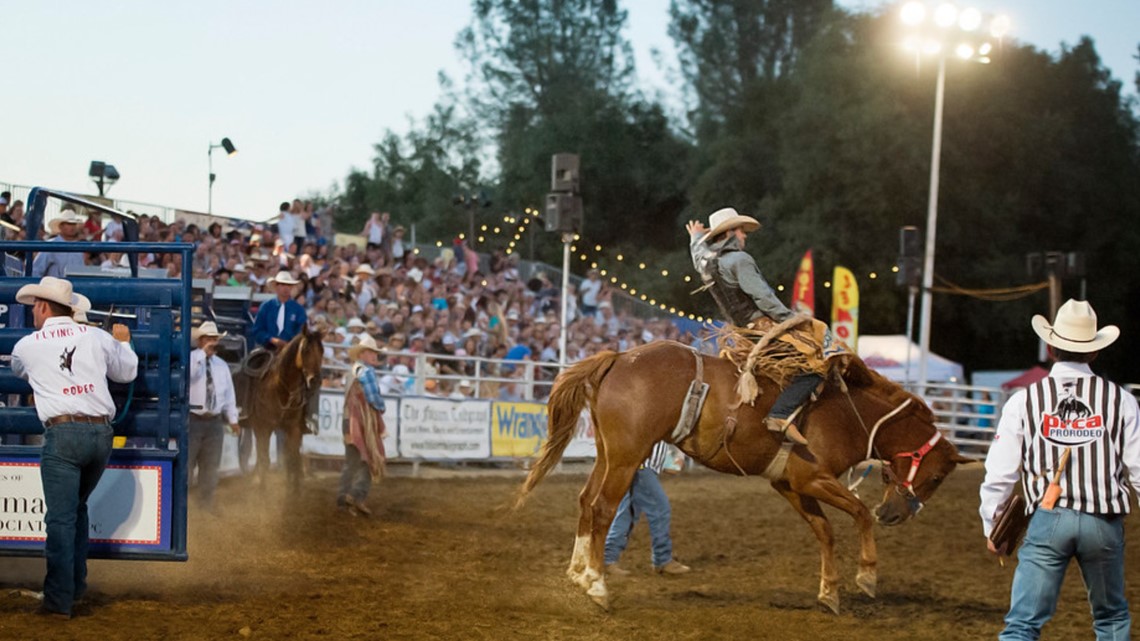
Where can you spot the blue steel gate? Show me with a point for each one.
(138, 511)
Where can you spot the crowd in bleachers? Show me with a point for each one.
(453, 304)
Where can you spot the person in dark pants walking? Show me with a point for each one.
(213, 407)
(363, 429)
(67, 365)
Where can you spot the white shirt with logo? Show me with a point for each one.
(68, 365)
(225, 401)
(1073, 408)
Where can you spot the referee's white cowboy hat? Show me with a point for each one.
(80, 305)
(1074, 329)
(727, 219)
(283, 278)
(366, 342)
(57, 290)
(66, 216)
(207, 329)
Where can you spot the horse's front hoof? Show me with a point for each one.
(830, 601)
(867, 582)
(602, 601)
(600, 595)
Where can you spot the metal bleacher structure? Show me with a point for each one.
(139, 509)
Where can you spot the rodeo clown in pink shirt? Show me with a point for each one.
(67, 365)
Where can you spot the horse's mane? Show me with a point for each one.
(859, 375)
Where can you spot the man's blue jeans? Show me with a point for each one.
(73, 459)
(645, 496)
(355, 478)
(1055, 536)
(204, 450)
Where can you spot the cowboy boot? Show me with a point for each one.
(786, 428)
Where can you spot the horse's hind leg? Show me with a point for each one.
(614, 485)
(581, 555)
(809, 509)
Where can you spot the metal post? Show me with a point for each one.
(210, 164)
(566, 239)
(911, 293)
(931, 223)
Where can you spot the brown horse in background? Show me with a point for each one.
(635, 399)
(279, 400)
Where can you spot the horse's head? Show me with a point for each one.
(918, 460)
(304, 355)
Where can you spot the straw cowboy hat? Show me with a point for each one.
(284, 278)
(207, 329)
(366, 342)
(57, 290)
(1074, 329)
(727, 219)
(366, 269)
(80, 305)
(69, 216)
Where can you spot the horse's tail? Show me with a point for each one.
(573, 390)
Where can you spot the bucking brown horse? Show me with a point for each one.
(279, 399)
(635, 399)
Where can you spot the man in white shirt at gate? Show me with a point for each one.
(1094, 424)
(67, 365)
(213, 405)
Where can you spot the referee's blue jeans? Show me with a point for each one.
(1053, 537)
(71, 464)
(645, 496)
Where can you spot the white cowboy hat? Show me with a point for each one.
(727, 219)
(208, 329)
(65, 216)
(366, 269)
(356, 323)
(1074, 329)
(57, 290)
(416, 274)
(285, 278)
(80, 305)
(240, 268)
(366, 342)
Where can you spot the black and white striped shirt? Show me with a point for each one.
(1070, 408)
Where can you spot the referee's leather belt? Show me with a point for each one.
(76, 418)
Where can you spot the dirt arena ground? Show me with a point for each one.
(442, 559)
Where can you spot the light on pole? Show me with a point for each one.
(935, 33)
(230, 151)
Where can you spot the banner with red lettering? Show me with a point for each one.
(845, 307)
(803, 292)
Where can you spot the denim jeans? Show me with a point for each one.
(645, 496)
(1055, 536)
(205, 452)
(73, 459)
(794, 395)
(355, 478)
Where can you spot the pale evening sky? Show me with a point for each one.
(303, 89)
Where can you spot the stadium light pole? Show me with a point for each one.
(933, 35)
(230, 151)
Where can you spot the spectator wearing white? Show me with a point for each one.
(365, 285)
(395, 384)
(213, 405)
(607, 320)
(285, 223)
(398, 244)
(113, 230)
(65, 228)
(590, 289)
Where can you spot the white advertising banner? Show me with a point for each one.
(582, 445)
(329, 439)
(126, 508)
(434, 428)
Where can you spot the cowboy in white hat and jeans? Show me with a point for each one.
(1099, 423)
(743, 296)
(213, 406)
(67, 365)
(65, 228)
(363, 428)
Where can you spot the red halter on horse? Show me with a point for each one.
(635, 399)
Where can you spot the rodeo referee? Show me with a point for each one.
(67, 365)
(1076, 416)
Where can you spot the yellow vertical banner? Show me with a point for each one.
(803, 293)
(845, 307)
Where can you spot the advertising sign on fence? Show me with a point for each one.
(126, 510)
(433, 428)
(329, 439)
(517, 429)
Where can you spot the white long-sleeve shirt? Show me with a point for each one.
(1074, 408)
(225, 401)
(68, 365)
